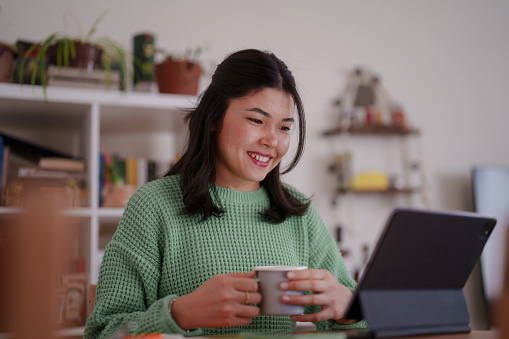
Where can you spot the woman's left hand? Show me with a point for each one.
(329, 294)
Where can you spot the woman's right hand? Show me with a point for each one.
(224, 300)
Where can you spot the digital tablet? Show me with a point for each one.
(413, 281)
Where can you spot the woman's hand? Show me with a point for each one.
(224, 300)
(329, 294)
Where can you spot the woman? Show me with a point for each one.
(181, 259)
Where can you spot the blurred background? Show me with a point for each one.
(442, 64)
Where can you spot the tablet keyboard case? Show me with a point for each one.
(413, 283)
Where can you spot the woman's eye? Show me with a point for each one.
(285, 128)
(256, 121)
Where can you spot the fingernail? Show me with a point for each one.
(294, 317)
(286, 298)
(283, 286)
(290, 275)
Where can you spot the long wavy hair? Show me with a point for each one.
(240, 74)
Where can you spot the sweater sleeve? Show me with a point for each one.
(126, 297)
(324, 254)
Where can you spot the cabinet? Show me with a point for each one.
(85, 123)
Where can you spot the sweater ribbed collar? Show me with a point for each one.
(229, 195)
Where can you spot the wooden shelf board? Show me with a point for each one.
(389, 191)
(102, 97)
(371, 129)
(64, 332)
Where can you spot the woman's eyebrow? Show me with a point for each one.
(262, 112)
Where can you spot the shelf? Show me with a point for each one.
(10, 210)
(76, 212)
(86, 96)
(110, 215)
(110, 212)
(389, 191)
(371, 129)
(65, 332)
(70, 332)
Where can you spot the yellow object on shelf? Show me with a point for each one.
(369, 181)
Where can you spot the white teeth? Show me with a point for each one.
(258, 157)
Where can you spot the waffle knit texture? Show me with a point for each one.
(158, 254)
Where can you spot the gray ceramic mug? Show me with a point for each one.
(269, 279)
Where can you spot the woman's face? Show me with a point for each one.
(254, 136)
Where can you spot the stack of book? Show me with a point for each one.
(83, 78)
(29, 170)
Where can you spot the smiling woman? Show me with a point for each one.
(182, 258)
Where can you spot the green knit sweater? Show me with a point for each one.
(158, 254)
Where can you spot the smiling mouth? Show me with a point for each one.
(259, 157)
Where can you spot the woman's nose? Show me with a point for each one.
(269, 139)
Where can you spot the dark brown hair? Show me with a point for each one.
(240, 74)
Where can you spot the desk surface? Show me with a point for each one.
(304, 328)
(471, 335)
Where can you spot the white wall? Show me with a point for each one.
(446, 61)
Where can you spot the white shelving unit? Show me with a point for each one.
(86, 122)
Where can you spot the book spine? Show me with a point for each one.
(35, 172)
(62, 164)
(119, 167)
(131, 174)
(151, 171)
(142, 171)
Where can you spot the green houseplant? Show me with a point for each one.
(64, 50)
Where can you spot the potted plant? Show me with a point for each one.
(7, 54)
(179, 74)
(64, 50)
(117, 193)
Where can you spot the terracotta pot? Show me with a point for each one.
(117, 196)
(178, 76)
(7, 54)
